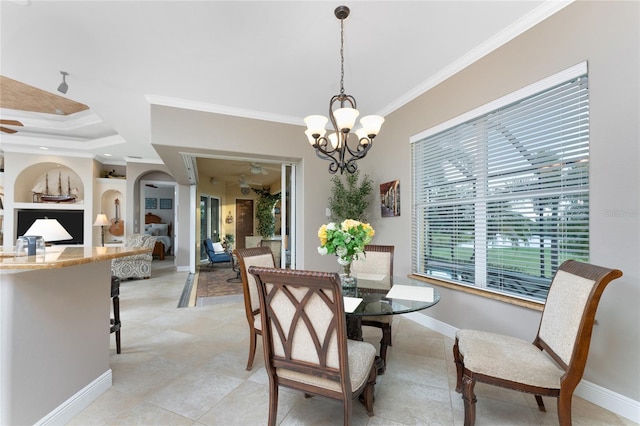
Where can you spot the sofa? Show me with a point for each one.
(137, 265)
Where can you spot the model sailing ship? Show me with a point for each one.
(61, 197)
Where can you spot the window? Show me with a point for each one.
(501, 194)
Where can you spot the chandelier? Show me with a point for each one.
(342, 147)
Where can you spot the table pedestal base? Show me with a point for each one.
(354, 332)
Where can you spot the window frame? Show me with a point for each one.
(418, 246)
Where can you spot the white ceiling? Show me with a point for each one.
(271, 59)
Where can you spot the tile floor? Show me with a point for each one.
(186, 366)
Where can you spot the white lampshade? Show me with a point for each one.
(49, 230)
(316, 124)
(363, 137)
(346, 118)
(101, 220)
(312, 140)
(372, 124)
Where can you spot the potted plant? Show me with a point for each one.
(350, 199)
(264, 213)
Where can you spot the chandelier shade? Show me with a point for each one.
(338, 148)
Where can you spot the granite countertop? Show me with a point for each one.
(61, 257)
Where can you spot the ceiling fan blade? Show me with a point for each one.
(7, 130)
(11, 122)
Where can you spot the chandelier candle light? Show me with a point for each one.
(343, 114)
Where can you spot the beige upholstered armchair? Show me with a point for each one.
(137, 265)
(554, 363)
(378, 261)
(305, 339)
(247, 257)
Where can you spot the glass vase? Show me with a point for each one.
(348, 281)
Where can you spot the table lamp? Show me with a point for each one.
(101, 221)
(49, 230)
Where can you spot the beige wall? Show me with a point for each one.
(606, 34)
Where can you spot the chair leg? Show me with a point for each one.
(459, 366)
(252, 348)
(116, 317)
(540, 403)
(347, 406)
(469, 399)
(369, 391)
(273, 402)
(564, 408)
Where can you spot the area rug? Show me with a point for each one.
(214, 282)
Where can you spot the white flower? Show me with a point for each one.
(331, 226)
(341, 251)
(322, 250)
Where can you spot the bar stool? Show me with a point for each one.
(115, 321)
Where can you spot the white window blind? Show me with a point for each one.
(502, 199)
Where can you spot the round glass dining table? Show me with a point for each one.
(373, 291)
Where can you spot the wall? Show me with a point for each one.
(15, 187)
(606, 34)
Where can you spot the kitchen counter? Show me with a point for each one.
(54, 332)
(60, 257)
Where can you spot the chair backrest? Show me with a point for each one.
(140, 240)
(303, 328)
(569, 314)
(208, 247)
(378, 261)
(247, 257)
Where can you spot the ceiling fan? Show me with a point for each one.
(257, 169)
(9, 123)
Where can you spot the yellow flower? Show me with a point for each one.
(322, 234)
(349, 223)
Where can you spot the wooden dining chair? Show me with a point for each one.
(305, 339)
(378, 261)
(554, 363)
(253, 256)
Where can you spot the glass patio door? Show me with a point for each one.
(209, 221)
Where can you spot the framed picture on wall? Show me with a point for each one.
(150, 203)
(166, 203)
(390, 199)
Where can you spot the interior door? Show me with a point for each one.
(244, 221)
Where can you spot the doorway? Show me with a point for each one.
(209, 221)
(244, 222)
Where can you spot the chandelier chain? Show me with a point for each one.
(342, 56)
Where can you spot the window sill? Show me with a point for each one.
(536, 306)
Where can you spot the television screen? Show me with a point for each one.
(71, 220)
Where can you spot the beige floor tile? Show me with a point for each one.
(195, 393)
(187, 366)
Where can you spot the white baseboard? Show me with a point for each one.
(614, 402)
(183, 269)
(602, 397)
(78, 402)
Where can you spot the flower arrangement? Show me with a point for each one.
(346, 240)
